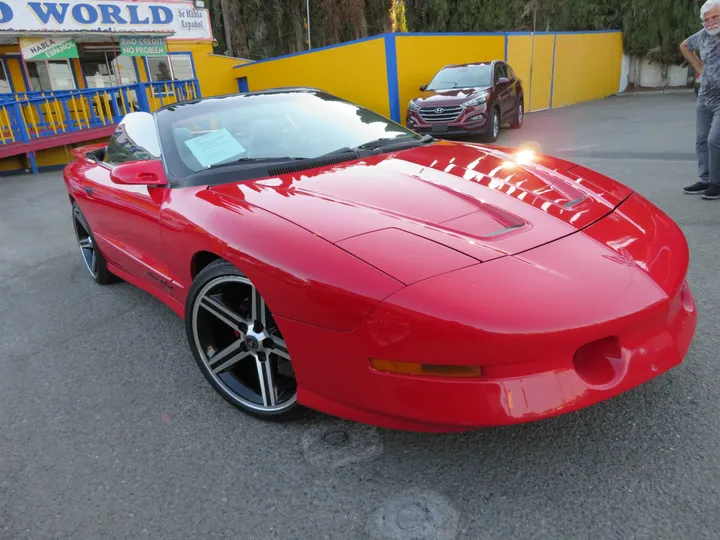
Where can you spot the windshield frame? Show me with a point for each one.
(179, 175)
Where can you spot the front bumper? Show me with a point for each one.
(470, 122)
(556, 329)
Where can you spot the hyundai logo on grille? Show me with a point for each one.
(439, 110)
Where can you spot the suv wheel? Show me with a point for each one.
(519, 115)
(493, 129)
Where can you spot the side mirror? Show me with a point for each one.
(503, 80)
(423, 87)
(139, 173)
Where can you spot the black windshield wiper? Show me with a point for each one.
(252, 161)
(339, 151)
(386, 143)
(381, 143)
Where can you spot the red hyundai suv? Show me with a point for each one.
(469, 99)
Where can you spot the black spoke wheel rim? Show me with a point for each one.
(241, 345)
(87, 247)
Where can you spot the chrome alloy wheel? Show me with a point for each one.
(521, 113)
(496, 125)
(241, 346)
(87, 247)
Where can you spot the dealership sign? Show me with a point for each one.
(48, 48)
(180, 19)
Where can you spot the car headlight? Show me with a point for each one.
(413, 106)
(479, 100)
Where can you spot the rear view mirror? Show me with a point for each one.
(423, 87)
(139, 173)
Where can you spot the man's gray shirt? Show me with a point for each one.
(707, 47)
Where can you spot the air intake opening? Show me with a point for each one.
(600, 362)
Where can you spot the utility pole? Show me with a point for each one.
(308, 21)
(226, 25)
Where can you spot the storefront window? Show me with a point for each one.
(104, 68)
(4, 80)
(182, 66)
(172, 67)
(50, 75)
(99, 73)
(125, 68)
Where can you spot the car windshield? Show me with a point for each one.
(462, 77)
(260, 127)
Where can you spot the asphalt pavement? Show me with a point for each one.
(109, 431)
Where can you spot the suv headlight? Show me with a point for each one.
(479, 100)
(413, 106)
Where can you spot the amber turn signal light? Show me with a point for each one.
(432, 370)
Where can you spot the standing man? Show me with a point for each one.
(706, 45)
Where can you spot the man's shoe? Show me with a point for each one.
(713, 192)
(696, 188)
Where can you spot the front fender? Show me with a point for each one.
(301, 276)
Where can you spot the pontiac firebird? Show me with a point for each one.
(324, 257)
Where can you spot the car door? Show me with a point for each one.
(516, 85)
(125, 218)
(504, 89)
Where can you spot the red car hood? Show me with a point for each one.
(472, 199)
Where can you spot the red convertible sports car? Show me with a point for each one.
(324, 257)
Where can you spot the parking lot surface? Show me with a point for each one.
(109, 430)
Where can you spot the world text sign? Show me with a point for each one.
(181, 19)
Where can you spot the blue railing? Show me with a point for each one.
(29, 116)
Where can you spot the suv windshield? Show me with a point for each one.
(462, 77)
(264, 127)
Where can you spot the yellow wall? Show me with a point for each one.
(587, 66)
(520, 58)
(421, 57)
(355, 72)
(542, 72)
(214, 72)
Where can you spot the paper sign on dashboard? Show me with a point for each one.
(216, 147)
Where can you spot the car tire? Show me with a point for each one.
(238, 346)
(493, 128)
(92, 256)
(519, 115)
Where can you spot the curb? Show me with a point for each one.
(657, 92)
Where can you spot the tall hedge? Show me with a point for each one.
(263, 28)
(655, 27)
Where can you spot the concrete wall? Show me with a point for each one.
(648, 73)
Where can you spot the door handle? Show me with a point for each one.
(88, 190)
